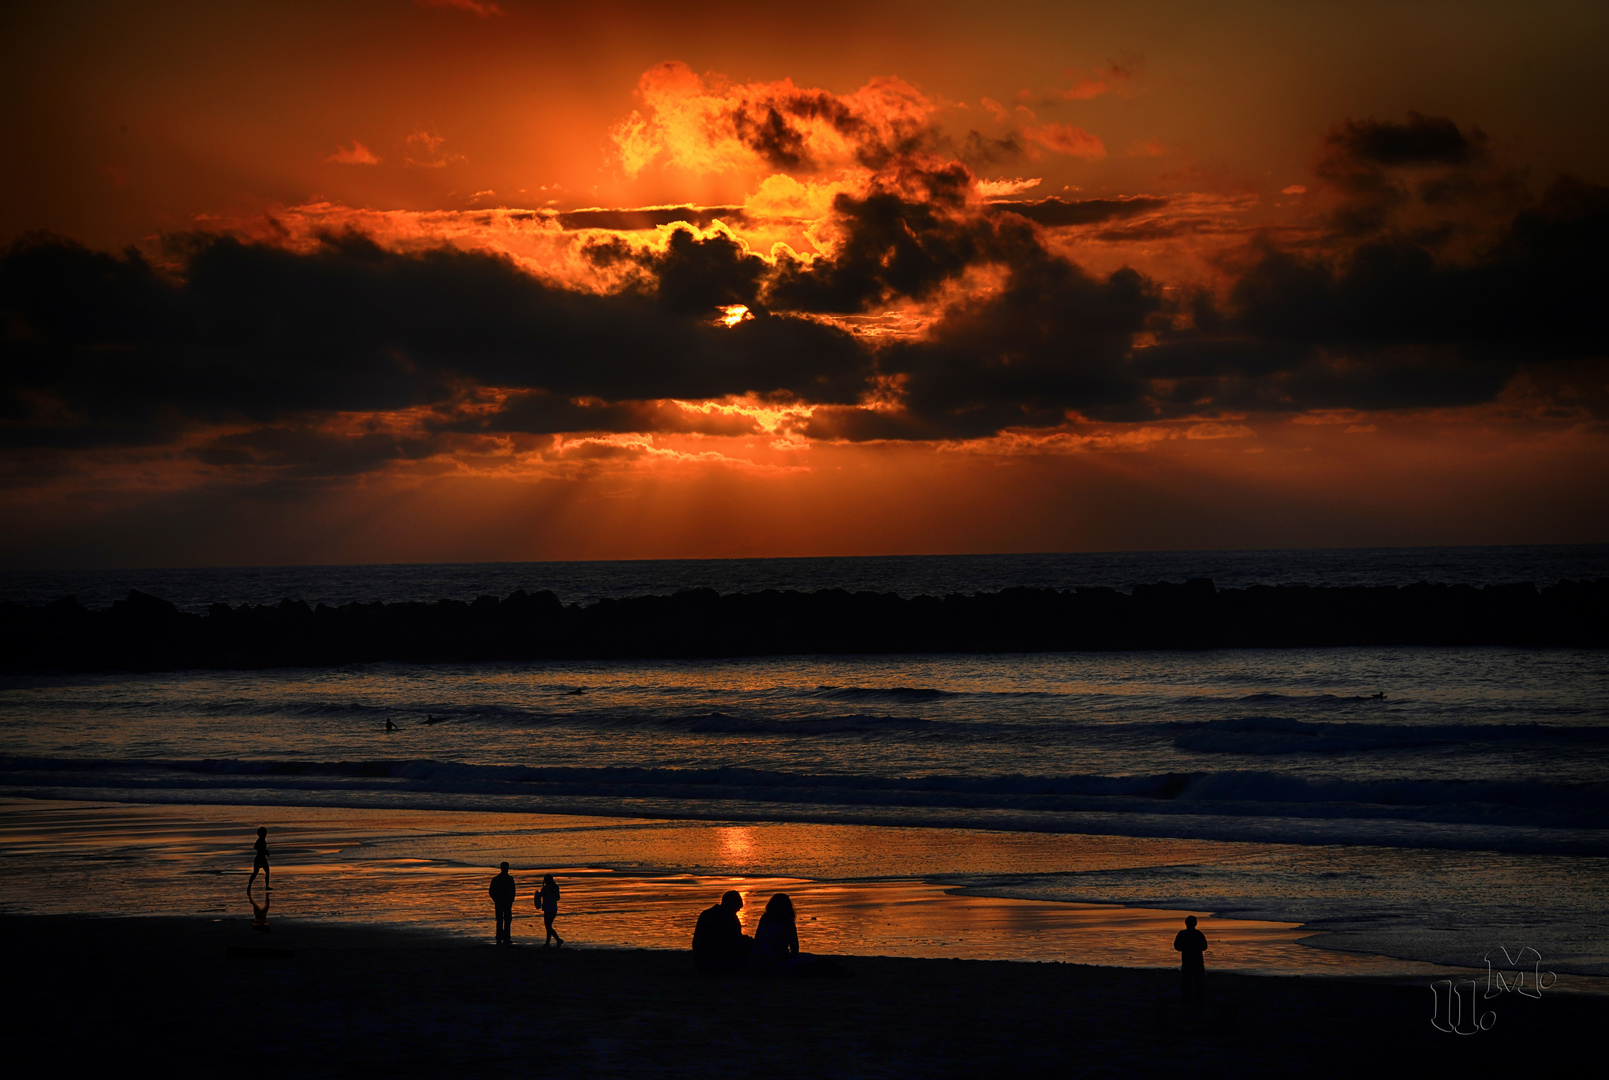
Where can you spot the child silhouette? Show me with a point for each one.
(261, 863)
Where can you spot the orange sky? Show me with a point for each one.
(420, 281)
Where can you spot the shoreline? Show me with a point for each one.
(380, 998)
(426, 870)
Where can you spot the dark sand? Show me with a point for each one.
(122, 996)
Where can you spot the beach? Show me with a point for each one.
(1028, 506)
(640, 883)
(139, 944)
(996, 849)
(1462, 811)
(373, 1000)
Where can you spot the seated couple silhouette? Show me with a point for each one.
(720, 947)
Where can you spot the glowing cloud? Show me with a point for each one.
(706, 125)
(474, 7)
(1114, 78)
(1065, 139)
(356, 154)
(425, 151)
(1001, 189)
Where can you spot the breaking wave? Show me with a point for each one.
(1236, 793)
(1273, 735)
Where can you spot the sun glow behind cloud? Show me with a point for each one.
(879, 283)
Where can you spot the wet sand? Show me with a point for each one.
(95, 994)
(390, 971)
(429, 870)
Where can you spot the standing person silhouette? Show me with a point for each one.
(548, 901)
(261, 862)
(502, 894)
(1191, 943)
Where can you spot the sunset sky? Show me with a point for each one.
(449, 280)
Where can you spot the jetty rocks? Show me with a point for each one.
(144, 633)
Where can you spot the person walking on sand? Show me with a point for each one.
(502, 894)
(547, 901)
(261, 862)
(1191, 943)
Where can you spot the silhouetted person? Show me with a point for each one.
(776, 939)
(548, 901)
(389, 726)
(1191, 943)
(260, 862)
(502, 894)
(776, 944)
(719, 944)
(259, 914)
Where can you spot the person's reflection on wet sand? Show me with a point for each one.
(259, 913)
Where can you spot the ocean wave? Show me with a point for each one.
(617, 718)
(883, 693)
(1523, 802)
(721, 724)
(1276, 735)
(1306, 701)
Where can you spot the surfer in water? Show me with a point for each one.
(261, 862)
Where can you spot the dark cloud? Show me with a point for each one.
(768, 133)
(1390, 325)
(980, 151)
(541, 412)
(1160, 229)
(1053, 341)
(892, 245)
(1423, 140)
(650, 217)
(695, 276)
(302, 453)
(820, 105)
(771, 127)
(1053, 211)
(1418, 176)
(101, 349)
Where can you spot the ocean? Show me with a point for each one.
(1420, 805)
(194, 588)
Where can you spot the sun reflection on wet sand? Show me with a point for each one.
(431, 869)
